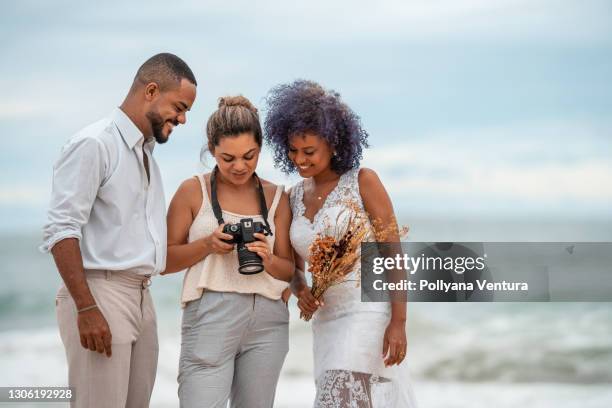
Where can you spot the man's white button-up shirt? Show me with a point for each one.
(101, 196)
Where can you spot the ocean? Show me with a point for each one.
(460, 354)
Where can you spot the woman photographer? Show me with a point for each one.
(235, 325)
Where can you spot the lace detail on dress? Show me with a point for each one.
(346, 189)
(296, 199)
(350, 389)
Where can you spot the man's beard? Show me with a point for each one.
(157, 126)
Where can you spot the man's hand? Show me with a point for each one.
(94, 331)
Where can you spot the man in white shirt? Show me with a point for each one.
(107, 234)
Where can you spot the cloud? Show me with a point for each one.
(25, 195)
(540, 59)
(559, 21)
(567, 163)
(56, 97)
(417, 20)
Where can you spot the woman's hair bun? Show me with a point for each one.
(227, 101)
(236, 115)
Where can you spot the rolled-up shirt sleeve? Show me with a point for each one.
(77, 176)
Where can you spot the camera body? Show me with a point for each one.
(243, 233)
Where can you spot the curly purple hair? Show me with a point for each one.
(305, 106)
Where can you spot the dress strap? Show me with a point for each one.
(351, 178)
(348, 186)
(279, 192)
(296, 198)
(205, 200)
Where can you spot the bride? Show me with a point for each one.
(358, 346)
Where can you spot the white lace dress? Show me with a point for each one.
(347, 333)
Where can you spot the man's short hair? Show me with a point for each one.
(166, 70)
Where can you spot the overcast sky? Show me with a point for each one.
(496, 108)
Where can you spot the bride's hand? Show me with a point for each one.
(286, 295)
(394, 343)
(306, 302)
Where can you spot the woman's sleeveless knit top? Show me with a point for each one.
(220, 272)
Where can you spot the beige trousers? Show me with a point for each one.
(126, 378)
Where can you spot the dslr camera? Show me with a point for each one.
(242, 233)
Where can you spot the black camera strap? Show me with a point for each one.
(217, 208)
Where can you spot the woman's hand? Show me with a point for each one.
(286, 295)
(216, 242)
(261, 248)
(394, 343)
(306, 302)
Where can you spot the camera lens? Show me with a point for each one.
(250, 269)
(249, 262)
